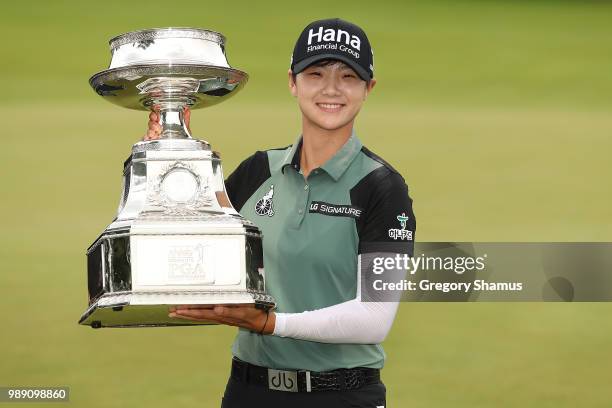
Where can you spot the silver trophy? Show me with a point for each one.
(176, 239)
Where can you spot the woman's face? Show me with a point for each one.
(329, 96)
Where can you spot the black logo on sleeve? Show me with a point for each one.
(337, 210)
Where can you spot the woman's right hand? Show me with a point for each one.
(154, 129)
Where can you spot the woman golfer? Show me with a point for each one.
(325, 205)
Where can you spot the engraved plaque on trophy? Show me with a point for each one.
(175, 241)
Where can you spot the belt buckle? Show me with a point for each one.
(283, 380)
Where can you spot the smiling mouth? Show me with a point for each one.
(330, 107)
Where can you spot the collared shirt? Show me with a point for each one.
(314, 229)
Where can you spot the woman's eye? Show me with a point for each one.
(315, 73)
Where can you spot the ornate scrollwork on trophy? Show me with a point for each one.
(180, 191)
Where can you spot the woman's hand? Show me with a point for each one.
(154, 129)
(248, 317)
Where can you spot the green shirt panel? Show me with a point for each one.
(310, 259)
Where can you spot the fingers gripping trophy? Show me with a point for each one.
(176, 240)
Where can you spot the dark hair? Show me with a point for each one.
(327, 62)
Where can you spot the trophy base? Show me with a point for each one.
(150, 309)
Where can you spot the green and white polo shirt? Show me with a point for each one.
(313, 231)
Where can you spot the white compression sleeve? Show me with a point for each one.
(348, 322)
(352, 321)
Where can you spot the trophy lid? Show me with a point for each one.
(184, 66)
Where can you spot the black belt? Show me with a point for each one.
(304, 381)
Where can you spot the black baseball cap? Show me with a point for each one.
(335, 39)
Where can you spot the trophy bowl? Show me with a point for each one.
(176, 239)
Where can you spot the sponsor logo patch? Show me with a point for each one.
(336, 210)
(330, 39)
(265, 205)
(330, 35)
(403, 233)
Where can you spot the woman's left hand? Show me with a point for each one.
(246, 316)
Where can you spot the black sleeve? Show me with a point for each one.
(247, 178)
(388, 223)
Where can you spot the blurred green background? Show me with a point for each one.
(498, 114)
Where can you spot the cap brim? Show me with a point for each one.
(305, 63)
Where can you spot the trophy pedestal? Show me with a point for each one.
(172, 242)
